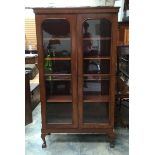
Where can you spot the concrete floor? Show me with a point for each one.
(72, 144)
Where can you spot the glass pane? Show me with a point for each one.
(59, 113)
(95, 112)
(96, 37)
(96, 87)
(56, 38)
(58, 87)
(96, 66)
(57, 66)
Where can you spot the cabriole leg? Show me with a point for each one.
(112, 140)
(44, 141)
(112, 143)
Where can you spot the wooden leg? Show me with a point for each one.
(112, 143)
(44, 141)
(112, 139)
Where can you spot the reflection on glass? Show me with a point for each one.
(96, 87)
(56, 37)
(58, 87)
(59, 113)
(95, 112)
(96, 37)
(96, 66)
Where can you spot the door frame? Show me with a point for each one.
(39, 18)
(113, 19)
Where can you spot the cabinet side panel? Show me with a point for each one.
(41, 71)
(113, 68)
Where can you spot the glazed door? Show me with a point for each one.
(58, 70)
(96, 74)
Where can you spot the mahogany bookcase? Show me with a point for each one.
(77, 68)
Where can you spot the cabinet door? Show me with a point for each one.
(96, 58)
(58, 70)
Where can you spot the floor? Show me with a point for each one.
(72, 144)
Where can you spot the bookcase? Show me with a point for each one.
(77, 67)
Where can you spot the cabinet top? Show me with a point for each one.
(75, 10)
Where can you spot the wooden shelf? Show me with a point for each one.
(58, 74)
(96, 58)
(96, 98)
(97, 38)
(59, 98)
(96, 79)
(57, 58)
(57, 38)
(57, 77)
(96, 76)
